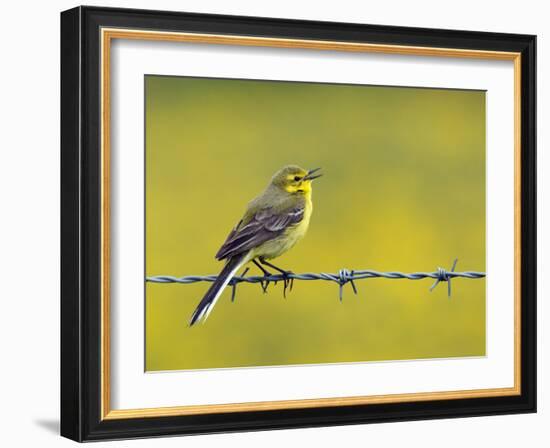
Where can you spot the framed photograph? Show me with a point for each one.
(272, 223)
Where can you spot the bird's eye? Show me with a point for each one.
(297, 178)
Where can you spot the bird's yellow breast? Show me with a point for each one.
(299, 230)
(278, 246)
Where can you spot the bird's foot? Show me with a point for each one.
(263, 283)
(288, 281)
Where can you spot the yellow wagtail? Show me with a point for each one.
(272, 224)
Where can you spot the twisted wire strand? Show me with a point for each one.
(342, 277)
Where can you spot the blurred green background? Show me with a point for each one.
(403, 189)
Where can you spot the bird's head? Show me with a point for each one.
(294, 179)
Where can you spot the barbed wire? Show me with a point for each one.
(343, 277)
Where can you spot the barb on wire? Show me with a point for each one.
(343, 277)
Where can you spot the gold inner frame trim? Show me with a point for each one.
(107, 35)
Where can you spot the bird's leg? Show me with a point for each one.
(264, 270)
(288, 281)
(266, 274)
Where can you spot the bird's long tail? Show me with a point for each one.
(210, 298)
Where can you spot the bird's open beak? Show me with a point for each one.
(311, 174)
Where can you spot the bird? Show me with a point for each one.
(272, 224)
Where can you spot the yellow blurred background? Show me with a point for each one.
(403, 189)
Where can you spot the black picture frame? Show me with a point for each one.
(81, 213)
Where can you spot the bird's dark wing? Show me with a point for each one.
(265, 225)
